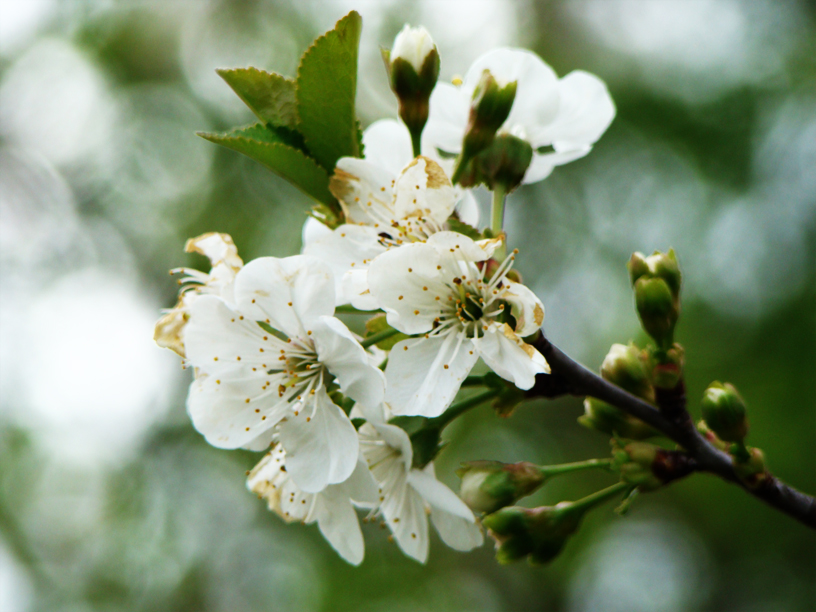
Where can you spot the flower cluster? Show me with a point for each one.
(276, 370)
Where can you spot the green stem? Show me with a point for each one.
(416, 142)
(553, 470)
(497, 220)
(460, 408)
(378, 337)
(597, 498)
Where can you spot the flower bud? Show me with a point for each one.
(489, 109)
(657, 309)
(490, 485)
(752, 471)
(667, 366)
(624, 366)
(539, 533)
(724, 412)
(656, 280)
(634, 462)
(413, 69)
(606, 418)
(502, 164)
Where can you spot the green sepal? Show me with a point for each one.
(272, 150)
(326, 88)
(270, 96)
(378, 324)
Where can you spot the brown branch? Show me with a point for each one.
(570, 377)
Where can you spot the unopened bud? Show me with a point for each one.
(656, 280)
(752, 470)
(667, 366)
(725, 413)
(624, 365)
(490, 485)
(539, 533)
(634, 461)
(489, 109)
(413, 69)
(606, 418)
(657, 309)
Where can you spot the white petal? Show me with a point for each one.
(537, 100)
(525, 307)
(438, 495)
(423, 375)
(467, 208)
(387, 143)
(262, 442)
(362, 187)
(424, 190)
(348, 248)
(220, 411)
(218, 248)
(340, 352)
(321, 444)
(585, 111)
(453, 245)
(455, 531)
(360, 486)
(218, 339)
(289, 293)
(449, 110)
(356, 290)
(405, 282)
(404, 512)
(509, 357)
(396, 438)
(543, 164)
(313, 230)
(338, 523)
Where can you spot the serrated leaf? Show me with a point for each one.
(270, 96)
(378, 324)
(461, 227)
(264, 133)
(326, 90)
(266, 147)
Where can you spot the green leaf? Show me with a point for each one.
(378, 324)
(461, 227)
(267, 147)
(326, 89)
(270, 96)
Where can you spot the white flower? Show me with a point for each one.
(252, 379)
(412, 45)
(561, 119)
(332, 508)
(225, 263)
(438, 290)
(381, 213)
(407, 494)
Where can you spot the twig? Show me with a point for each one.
(570, 377)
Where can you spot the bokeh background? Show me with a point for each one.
(109, 500)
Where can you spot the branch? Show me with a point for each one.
(570, 377)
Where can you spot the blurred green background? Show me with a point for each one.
(109, 500)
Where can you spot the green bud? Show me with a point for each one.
(625, 366)
(606, 418)
(489, 109)
(667, 366)
(413, 69)
(711, 437)
(537, 533)
(634, 462)
(725, 413)
(657, 308)
(752, 471)
(656, 280)
(503, 164)
(490, 485)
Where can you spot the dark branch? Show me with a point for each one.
(570, 377)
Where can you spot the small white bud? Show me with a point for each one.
(412, 45)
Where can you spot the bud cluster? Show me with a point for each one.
(656, 280)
